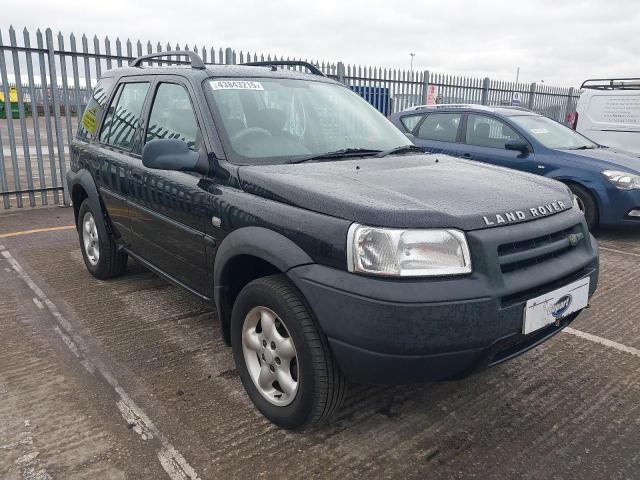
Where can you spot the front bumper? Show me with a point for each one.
(414, 330)
(615, 205)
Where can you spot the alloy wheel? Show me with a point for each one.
(270, 356)
(90, 238)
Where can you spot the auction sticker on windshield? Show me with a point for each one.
(554, 306)
(236, 85)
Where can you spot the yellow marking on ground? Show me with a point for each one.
(36, 230)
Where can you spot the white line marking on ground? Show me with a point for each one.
(38, 303)
(632, 254)
(172, 461)
(603, 341)
(72, 346)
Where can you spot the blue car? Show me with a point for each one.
(605, 182)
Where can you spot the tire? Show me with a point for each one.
(587, 204)
(99, 251)
(319, 385)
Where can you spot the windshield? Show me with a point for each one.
(274, 120)
(552, 134)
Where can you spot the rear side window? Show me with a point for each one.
(123, 117)
(442, 127)
(172, 115)
(410, 121)
(484, 131)
(95, 108)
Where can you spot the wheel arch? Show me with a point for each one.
(82, 186)
(245, 255)
(570, 180)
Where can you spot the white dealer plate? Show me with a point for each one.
(553, 306)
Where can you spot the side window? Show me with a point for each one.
(484, 131)
(123, 117)
(95, 108)
(172, 115)
(442, 127)
(410, 121)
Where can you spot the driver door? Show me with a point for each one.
(168, 209)
(485, 139)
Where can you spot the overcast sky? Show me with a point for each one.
(559, 41)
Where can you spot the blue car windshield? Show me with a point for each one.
(552, 134)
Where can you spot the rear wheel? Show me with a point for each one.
(587, 204)
(101, 255)
(282, 357)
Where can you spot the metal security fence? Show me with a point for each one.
(46, 82)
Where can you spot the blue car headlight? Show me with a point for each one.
(623, 180)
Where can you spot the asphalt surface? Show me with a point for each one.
(129, 378)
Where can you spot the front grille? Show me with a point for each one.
(525, 253)
(538, 290)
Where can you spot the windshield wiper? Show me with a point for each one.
(342, 153)
(583, 147)
(402, 149)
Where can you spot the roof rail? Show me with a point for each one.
(514, 107)
(299, 63)
(451, 105)
(612, 84)
(194, 58)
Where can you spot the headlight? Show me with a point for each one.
(407, 253)
(623, 180)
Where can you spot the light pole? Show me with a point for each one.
(412, 55)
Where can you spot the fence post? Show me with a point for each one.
(228, 56)
(485, 91)
(425, 86)
(570, 107)
(53, 82)
(340, 73)
(532, 96)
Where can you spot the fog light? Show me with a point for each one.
(634, 213)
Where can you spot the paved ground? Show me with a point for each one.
(129, 379)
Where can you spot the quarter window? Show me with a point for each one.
(410, 121)
(95, 108)
(484, 131)
(172, 115)
(442, 127)
(123, 117)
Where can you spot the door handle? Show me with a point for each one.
(467, 155)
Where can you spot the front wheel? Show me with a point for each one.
(284, 361)
(587, 204)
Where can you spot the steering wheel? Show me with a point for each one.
(240, 136)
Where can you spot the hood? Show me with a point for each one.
(410, 191)
(608, 157)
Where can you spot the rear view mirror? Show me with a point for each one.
(173, 154)
(517, 145)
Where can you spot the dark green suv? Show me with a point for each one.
(331, 247)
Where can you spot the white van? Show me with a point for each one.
(608, 113)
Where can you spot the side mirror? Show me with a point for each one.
(517, 145)
(173, 154)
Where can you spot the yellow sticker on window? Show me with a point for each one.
(89, 120)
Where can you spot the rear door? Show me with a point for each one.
(168, 209)
(484, 140)
(439, 133)
(114, 154)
